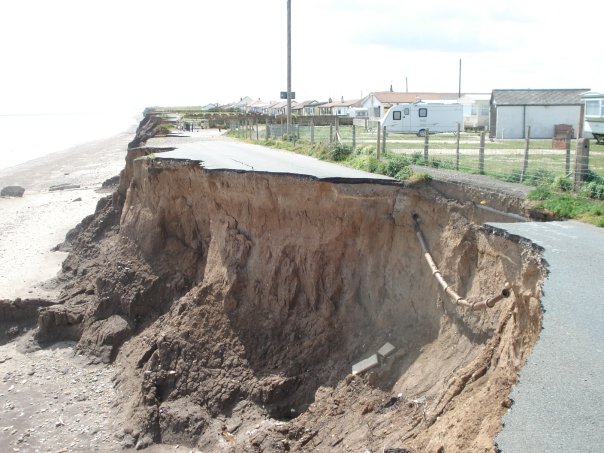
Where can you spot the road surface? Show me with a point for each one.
(232, 155)
(559, 401)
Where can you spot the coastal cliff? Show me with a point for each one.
(236, 303)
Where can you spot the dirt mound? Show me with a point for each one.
(236, 304)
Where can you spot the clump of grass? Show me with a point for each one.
(340, 152)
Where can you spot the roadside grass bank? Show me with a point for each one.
(553, 191)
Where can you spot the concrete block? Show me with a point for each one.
(386, 350)
(365, 365)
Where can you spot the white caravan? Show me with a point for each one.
(594, 115)
(418, 117)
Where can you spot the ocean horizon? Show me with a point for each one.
(24, 137)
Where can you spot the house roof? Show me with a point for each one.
(394, 97)
(538, 97)
(340, 103)
(281, 105)
(592, 95)
(303, 104)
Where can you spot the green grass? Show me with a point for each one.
(546, 172)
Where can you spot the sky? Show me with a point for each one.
(74, 55)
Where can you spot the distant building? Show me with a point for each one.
(307, 108)
(338, 108)
(513, 110)
(594, 116)
(378, 103)
(476, 109)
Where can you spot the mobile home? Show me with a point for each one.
(594, 116)
(418, 117)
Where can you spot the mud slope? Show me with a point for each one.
(235, 305)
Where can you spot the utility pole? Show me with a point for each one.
(289, 67)
(459, 90)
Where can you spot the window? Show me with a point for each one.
(407, 111)
(592, 108)
(396, 115)
(485, 109)
(423, 112)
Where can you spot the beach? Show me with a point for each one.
(32, 225)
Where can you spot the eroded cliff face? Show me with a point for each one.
(237, 303)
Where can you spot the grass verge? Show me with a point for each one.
(553, 193)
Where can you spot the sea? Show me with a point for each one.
(24, 137)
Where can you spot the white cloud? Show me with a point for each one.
(71, 55)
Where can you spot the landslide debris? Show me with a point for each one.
(235, 305)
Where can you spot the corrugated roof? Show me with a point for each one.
(538, 97)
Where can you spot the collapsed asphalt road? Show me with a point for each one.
(558, 401)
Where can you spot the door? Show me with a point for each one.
(401, 120)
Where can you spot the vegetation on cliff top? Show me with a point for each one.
(553, 194)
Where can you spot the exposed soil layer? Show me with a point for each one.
(234, 306)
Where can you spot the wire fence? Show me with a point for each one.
(569, 163)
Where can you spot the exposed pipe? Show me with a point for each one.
(456, 298)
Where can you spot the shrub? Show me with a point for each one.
(367, 163)
(340, 152)
(404, 174)
(396, 164)
(445, 164)
(593, 189)
(417, 158)
(562, 184)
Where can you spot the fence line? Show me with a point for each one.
(466, 153)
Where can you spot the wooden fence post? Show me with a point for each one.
(384, 142)
(330, 133)
(312, 131)
(457, 148)
(481, 154)
(354, 137)
(567, 166)
(581, 162)
(379, 131)
(527, 143)
(426, 144)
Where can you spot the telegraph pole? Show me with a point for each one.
(459, 90)
(289, 67)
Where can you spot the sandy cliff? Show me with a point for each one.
(235, 305)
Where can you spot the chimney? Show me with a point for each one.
(391, 90)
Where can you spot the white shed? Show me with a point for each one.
(513, 110)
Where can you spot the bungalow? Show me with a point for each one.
(278, 108)
(513, 110)
(242, 104)
(307, 108)
(338, 108)
(257, 106)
